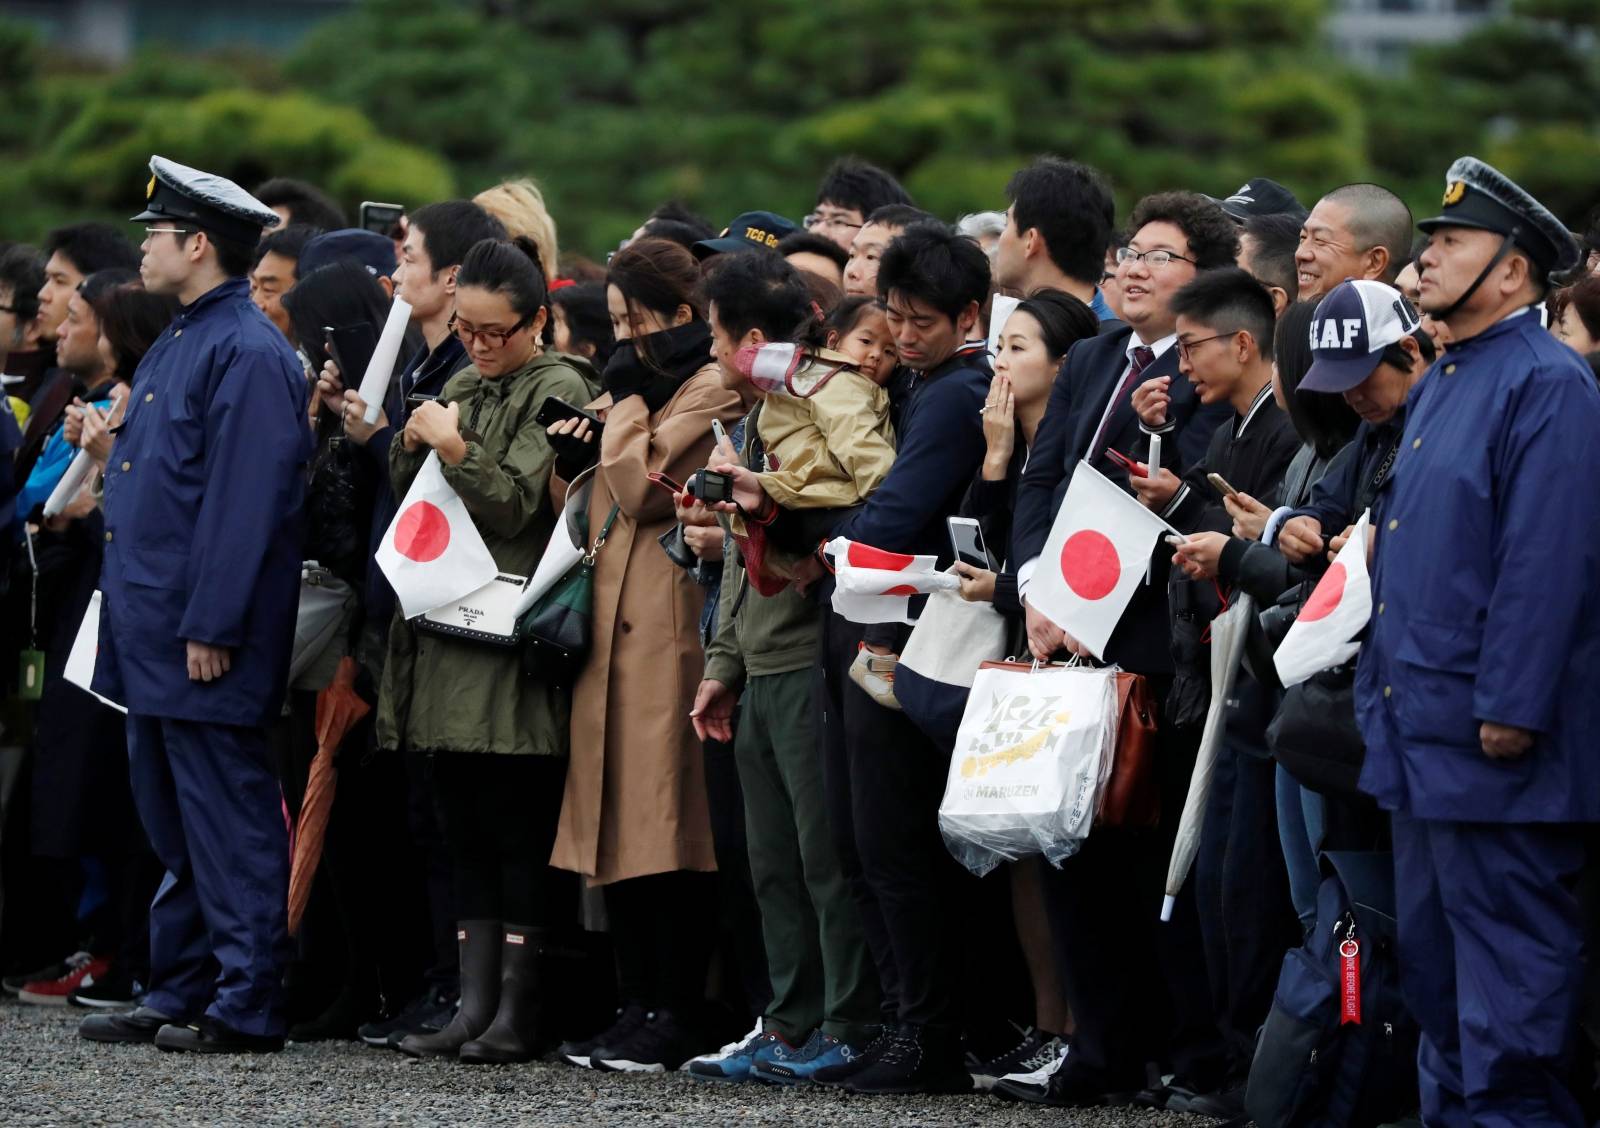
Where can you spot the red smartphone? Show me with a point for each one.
(1128, 464)
(666, 483)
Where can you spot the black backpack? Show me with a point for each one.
(1312, 1068)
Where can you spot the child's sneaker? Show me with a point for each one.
(874, 673)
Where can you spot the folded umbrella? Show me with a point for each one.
(339, 707)
(1228, 632)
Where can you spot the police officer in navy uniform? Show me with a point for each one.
(203, 495)
(1478, 687)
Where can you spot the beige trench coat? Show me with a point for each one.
(635, 801)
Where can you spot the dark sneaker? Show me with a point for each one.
(1227, 1104)
(140, 1025)
(205, 1035)
(798, 1067)
(733, 1063)
(114, 990)
(578, 1052)
(848, 1066)
(1030, 1087)
(1035, 1051)
(660, 1044)
(917, 1059)
(1174, 1094)
(429, 1013)
(1064, 1087)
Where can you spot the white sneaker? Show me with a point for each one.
(731, 1048)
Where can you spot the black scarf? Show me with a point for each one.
(675, 355)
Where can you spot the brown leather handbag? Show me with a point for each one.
(1131, 798)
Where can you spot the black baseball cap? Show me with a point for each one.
(1261, 197)
(747, 232)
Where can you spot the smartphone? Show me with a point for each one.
(378, 217)
(667, 483)
(417, 399)
(719, 432)
(710, 486)
(1128, 464)
(557, 410)
(1220, 484)
(966, 541)
(351, 347)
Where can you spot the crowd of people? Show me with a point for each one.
(697, 807)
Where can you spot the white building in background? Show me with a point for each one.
(1380, 33)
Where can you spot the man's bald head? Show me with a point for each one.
(1378, 218)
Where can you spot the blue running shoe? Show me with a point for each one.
(796, 1067)
(732, 1064)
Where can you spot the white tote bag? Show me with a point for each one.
(953, 638)
(1033, 751)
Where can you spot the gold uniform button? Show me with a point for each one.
(1394, 524)
(1449, 370)
(108, 534)
(1388, 691)
(1381, 606)
(126, 466)
(177, 332)
(1416, 444)
(148, 396)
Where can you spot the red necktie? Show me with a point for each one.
(1143, 357)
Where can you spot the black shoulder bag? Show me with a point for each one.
(1314, 734)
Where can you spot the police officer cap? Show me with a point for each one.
(1478, 195)
(214, 204)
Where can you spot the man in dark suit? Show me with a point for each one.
(1137, 988)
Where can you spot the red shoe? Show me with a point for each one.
(82, 969)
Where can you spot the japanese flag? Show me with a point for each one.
(432, 553)
(874, 586)
(1097, 553)
(1324, 634)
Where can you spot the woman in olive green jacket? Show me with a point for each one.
(497, 741)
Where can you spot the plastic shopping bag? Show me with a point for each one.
(1034, 750)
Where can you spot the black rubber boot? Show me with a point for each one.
(513, 1036)
(480, 992)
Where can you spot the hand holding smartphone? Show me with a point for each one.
(966, 542)
(1220, 484)
(557, 410)
(1133, 468)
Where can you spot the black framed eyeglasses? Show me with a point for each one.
(1186, 348)
(818, 220)
(494, 338)
(1154, 259)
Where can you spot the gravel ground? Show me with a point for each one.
(50, 1076)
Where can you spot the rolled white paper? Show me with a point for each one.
(1154, 465)
(376, 381)
(69, 485)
